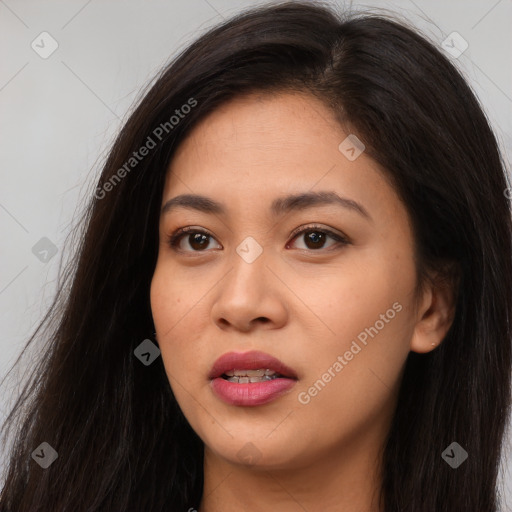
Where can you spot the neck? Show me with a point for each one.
(346, 479)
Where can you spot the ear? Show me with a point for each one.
(435, 313)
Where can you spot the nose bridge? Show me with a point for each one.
(248, 267)
(247, 292)
(250, 250)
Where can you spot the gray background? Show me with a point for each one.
(60, 114)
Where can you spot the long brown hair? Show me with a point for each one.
(122, 441)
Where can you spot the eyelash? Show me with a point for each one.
(174, 239)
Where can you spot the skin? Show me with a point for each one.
(303, 305)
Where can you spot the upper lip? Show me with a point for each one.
(252, 360)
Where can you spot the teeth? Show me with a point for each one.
(249, 373)
(247, 380)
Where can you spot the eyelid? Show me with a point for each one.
(318, 227)
(338, 237)
(173, 238)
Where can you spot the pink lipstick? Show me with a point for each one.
(250, 378)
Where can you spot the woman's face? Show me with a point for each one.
(338, 312)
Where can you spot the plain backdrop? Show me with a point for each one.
(59, 115)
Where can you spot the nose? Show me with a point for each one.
(250, 296)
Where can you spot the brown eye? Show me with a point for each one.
(315, 238)
(198, 240)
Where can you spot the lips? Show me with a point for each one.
(252, 360)
(244, 392)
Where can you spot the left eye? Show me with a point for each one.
(198, 239)
(315, 238)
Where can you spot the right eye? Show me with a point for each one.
(195, 237)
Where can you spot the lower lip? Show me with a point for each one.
(252, 393)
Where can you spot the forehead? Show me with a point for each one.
(261, 123)
(261, 146)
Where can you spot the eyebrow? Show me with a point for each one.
(279, 206)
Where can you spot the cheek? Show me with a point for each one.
(170, 296)
(365, 288)
(371, 324)
(356, 376)
(161, 298)
(176, 313)
(168, 306)
(180, 318)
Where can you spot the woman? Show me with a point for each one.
(293, 289)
